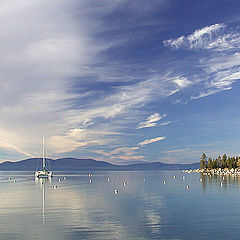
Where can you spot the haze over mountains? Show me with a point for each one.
(74, 164)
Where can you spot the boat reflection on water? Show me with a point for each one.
(42, 182)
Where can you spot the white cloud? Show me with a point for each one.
(182, 82)
(205, 93)
(128, 157)
(223, 62)
(121, 153)
(220, 66)
(165, 123)
(44, 45)
(152, 140)
(125, 150)
(42, 52)
(128, 151)
(151, 121)
(201, 38)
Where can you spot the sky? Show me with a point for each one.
(122, 81)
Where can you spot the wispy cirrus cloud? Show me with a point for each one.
(151, 121)
(50, 58)
(201, 38)
(39, 67)
(69, 72)
(123, 150)
(152, 140)
(165, 123)
(219, 59)
(122, 153)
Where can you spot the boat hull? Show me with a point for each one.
(43, 174)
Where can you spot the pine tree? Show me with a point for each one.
(215, 164)
(210, 163)
(224, 161)
(203, 163)
(228, 163)
(238, 162)
(219, 162)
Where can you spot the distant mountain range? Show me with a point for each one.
(74, 164)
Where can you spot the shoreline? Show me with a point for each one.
(219, 171)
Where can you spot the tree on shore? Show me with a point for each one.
(203, 163)
(238, 162)
(210, 163)
(224, 161)
(219, 162)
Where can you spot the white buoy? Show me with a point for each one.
(14, 180)
(174, 176)
(55, 186)
(164, 182)
(64, 178)
(90, 180)
(144, 179)
(108, 179)
(9, 178)
(200, 179)
(59, 179)
(183, 177)
(187, 187)
(221, 183)
(116, 191)
(124, 183)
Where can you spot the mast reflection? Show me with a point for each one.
(43, 182)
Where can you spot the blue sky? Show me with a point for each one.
(120, 81)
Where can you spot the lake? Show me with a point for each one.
(143, 208)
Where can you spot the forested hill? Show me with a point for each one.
(74, 164)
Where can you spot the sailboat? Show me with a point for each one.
(44, 173)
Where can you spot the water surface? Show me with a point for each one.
(145, 208)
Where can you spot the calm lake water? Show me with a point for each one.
(143, 209)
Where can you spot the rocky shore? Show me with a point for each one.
(219, 171)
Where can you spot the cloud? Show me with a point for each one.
(222, 70)
(182, 82)
(219, 59)
(222, 63)
(48, 60)
(40, 51)
(54, 60)
(201, 38)
(121, 153)
(125, 150)
(124, 157)
(205, 93)
(148, 141)
(165, 123)
(151, 121)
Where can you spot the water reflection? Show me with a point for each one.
(223, 181)
(42, 182)
(78, 209)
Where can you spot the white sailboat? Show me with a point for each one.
(44, 173)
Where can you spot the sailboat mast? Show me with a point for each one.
(43, 152)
